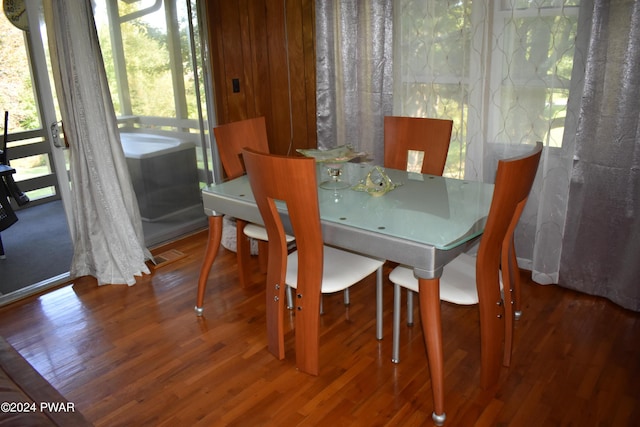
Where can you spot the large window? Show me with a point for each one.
(499, 69)
(150, 50)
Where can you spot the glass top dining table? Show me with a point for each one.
(424, 222)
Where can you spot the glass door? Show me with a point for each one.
(38, 246)
(152, 55)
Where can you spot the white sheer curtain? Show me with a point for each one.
(107, 233)
(512, 72)
(501, 70)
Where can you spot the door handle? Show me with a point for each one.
(55, 135)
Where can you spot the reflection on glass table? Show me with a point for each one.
(333, 160)
(334, 170)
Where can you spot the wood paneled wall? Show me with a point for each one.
(268, 47)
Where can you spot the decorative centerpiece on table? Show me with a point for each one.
(334, 160)
(376, 183)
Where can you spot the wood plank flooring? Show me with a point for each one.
(138, 356)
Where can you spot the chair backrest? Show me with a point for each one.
(431, 136)
(292, 180)
(514, 179)
(231, 138)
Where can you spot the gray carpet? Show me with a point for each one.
(37, 247)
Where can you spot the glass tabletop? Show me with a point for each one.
(427, 209)
(431, 210)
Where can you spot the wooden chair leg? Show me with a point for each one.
(492, 327)
(511, 286)
(507, 300)
(263, 256)
(275, 293)
(510, 283)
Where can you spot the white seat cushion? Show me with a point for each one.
(457, 284)
(258, 232)
(341, 269)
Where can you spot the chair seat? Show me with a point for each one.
(341, 269)
(457, 284)
(258, 232)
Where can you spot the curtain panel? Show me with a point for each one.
(107, 231)
(501, 71)
(509, 73)
(354, 76)
(602, 236)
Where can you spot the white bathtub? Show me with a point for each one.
(164, 173)
(147, 145)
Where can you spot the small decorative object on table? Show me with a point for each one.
(376, 183)
(333, 159)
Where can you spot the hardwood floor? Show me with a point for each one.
(138, 356)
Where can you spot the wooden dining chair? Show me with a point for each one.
(427, 138)
(470, 280)
(231, 138)
(313, 268)
(431, 137)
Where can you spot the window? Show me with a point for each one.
(534, 57)
(148, 50)
(500, 70)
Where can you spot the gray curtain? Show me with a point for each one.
(354, 73)
(107, 229)
(601, 245)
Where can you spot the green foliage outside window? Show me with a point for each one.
(151, 89)
(16, 89)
